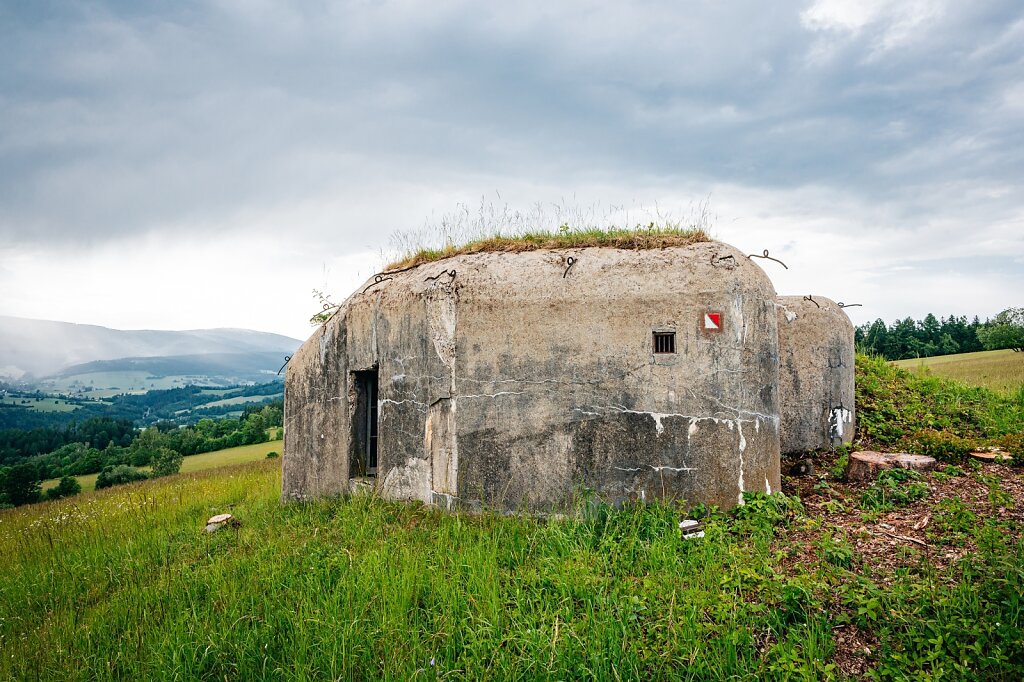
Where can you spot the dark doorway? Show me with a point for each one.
(364, 453)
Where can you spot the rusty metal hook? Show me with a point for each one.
(570, 261)
(450, 273)
(287, 359)
(809, 298)
(377, 279)
(850, 305)
(765, 255)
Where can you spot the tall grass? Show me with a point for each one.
(999, 370)
(499, 227)
(125, 584)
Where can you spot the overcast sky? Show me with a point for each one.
(207, 164)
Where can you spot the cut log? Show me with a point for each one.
(991, 455)
(866, 465)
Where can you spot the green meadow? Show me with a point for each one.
(201, 462)
(1000, 370)
(42, 405)
(125, 584)
(911, 576)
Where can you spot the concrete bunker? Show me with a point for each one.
(816, 374)
(514, 379)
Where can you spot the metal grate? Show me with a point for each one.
(664, 342)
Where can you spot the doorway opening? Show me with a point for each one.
(364, 452)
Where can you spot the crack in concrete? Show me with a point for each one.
(490, 395)
(659, 468)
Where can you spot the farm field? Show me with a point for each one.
(44, 405)
(242, 400)
(107, 384)
(202, 462)
(1000, 370)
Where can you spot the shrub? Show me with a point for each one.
(760, 512)
(1014, 445)
(67, 487)
(273, 454)
(942, 445)
(166, 462)
(894, 488)
(21, 484)
(122, 473)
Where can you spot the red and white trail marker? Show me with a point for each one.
(712, 321)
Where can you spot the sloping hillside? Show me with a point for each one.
(39, 348)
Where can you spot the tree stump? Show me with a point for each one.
(866, 465)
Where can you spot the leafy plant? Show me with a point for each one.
(948, 472)
(942, 445)
(894, 488)
(952, 523)
(166, 462)
(836, 551)
(67, 487)
(119, 475)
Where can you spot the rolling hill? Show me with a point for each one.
(33, 349)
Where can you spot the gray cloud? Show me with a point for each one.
(118, 120)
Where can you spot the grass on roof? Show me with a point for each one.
(641, 237)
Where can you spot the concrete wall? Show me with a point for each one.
(816, 372)
(513, 379)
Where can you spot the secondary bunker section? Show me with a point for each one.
(816, 374)
(515, 381)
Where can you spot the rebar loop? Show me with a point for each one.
(377, 279)
(765, 255)
(450, 273)
(570, 261)
(850, 305)
(287, 359)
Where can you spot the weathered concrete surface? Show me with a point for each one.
(816, 397)
(510, 380)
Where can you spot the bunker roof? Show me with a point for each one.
(649, 237)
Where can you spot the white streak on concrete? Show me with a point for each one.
(767, 486)
(383, 401)
(838, 417)
(656, 468)
(491, 395)
(743, 446)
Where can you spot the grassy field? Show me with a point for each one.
(912, 576)
(125, 584)
(106, 384)
(241, 400)
(44, 405)
(1001, 370)
(193, 463)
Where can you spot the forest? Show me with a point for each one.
(185, 405)
(114, 447)
(909, 338)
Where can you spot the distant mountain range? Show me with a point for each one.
(35, 349)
